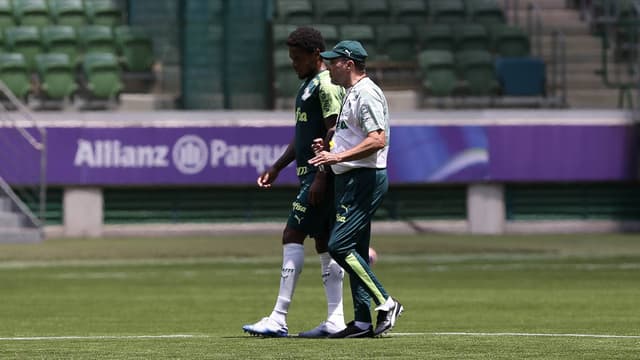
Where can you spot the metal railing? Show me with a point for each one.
(28, 131)
(557, 73)
(618, 28)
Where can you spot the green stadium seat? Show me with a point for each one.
(409, 11)
(97, 38)
(56, 74)
(102, 74)
(329, 33)
(435, 37)
(31, 12)
(6, 14)
(472, 37)
(281, 34)
(103, 12)
(286, 82)
(26, 41)
(447, 11)
(371, 11)
(136, 49)
(15, 74)
(485, 12)
(333, 11)
(61, 39)
(477, 69)
(297, 12)
(397, 41)
(510, 41)
(364, 33)
(439, 72)
(68, 12)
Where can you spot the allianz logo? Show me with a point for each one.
(190, 154)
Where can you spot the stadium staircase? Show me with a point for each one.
(22, 207)
(583, 50)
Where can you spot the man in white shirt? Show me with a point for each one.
(358, 157)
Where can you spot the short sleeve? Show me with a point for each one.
(330, 99)
(371, 115)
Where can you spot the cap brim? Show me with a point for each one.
(330, 55)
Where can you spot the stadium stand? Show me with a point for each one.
(136, 49)
(287, 81)
(447, 11)
(471, 36)
(397, 42)
(15, 74)
(396, 34)
(409, 11)
(477, 71)
(103, 12)
(371, 11)
(364, 33)
(97, 38)
(62, 39)
(510, 41)
(295, 11)
(521, 76)
(332, 11)
(102, 79)
(6, 14)
(486, 12)
(32, 12)
(329, 33)
(68, 12)
(435, 37)
(56, 79)
(439, 72)
(26, 41)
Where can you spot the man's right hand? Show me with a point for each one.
(267, 178)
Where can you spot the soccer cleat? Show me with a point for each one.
(325, 329)
(387, 319)
(352, 331)
(266, 327)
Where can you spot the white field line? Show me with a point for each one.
(186, 336)
(601, 336)
(101, 337)
(436, 263)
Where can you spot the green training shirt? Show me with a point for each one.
(317, 99)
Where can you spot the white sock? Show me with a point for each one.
(292, 262)
(332, 275)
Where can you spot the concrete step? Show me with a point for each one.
(593, 98)
(584, 81)
(5, 203)
(11, 219)
(19, 235)
(567, 20)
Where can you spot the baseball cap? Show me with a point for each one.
(350, 49)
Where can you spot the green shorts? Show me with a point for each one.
(308, 219)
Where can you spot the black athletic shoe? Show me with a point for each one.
(387, 319)
(352, 331)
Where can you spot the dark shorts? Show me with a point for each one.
(308, 219)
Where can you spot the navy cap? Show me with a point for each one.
(350, 49)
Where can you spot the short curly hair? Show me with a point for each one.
(306, 38)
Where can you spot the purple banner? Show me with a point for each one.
(237, 155)
(562, 153)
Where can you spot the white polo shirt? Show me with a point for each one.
(364, 110)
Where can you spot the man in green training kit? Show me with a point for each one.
(317, 106)
(358, 157)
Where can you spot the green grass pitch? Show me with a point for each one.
(466, 297)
